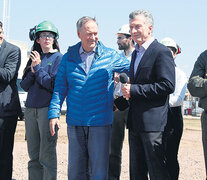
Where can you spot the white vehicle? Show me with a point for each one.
(22, 95)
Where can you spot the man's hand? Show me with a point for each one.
(126, 91)
(116, 78)
(53, 123)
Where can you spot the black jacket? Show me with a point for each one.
(150, 88)
(10, 59)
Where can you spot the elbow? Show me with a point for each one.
(25, 89)
(171, 88)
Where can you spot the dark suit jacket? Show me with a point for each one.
(150, 89)
(10, 57)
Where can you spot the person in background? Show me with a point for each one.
(10, 59)
(85, 76)
(152, 80)
(38, 80)
(197, 87)
(126, 44)
(175, 117)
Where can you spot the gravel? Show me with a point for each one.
(190, 155)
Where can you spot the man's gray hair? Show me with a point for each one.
(84, 20)
(149, 19)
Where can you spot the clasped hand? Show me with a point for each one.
(126, 91)
(35, 57)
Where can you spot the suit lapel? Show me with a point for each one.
(2, 59)
(134, 54)
(145, 57)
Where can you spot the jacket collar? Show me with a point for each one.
(73, 51)
(144, 57)
(3, 45)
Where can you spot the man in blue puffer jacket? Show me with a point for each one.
(85, 76)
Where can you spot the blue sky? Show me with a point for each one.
(184, 21)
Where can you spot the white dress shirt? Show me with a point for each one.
(177, 97)
(140, 52)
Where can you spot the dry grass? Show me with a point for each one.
(193, 123)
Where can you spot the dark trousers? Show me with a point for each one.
(117, 139)
(174, 134)
(7, 130)
(147, 156)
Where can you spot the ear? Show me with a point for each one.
(78, 32)
(150, 28)
(37, 41)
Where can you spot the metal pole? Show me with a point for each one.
(6, 16)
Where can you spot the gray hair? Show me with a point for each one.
(148, 17)
(84, 20)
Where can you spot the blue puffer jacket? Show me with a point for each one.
(89, 96)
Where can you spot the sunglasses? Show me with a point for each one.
(48, 35)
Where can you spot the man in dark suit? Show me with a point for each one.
(10, 58)
(152, 79)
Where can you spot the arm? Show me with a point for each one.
(28, 81)
(44, 78)
(176, 98)
(28, 78)
(164, 79)
(197, 84)
(120, 63)
(11, 66)
(60, 90)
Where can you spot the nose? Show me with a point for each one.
(132, 30)
(92, 36)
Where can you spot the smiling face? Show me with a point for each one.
(88, 35)
(139, 30)
(46, 40)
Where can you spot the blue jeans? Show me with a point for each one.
(88, 152)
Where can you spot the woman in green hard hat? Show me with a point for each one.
(38, 81)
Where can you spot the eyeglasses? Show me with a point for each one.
(49, 36)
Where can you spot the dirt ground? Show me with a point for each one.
(190, 153)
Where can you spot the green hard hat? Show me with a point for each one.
(47, 26)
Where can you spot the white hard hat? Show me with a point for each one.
(169, 42)
(124, 30)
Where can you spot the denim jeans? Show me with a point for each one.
(88, 152)
(7, 131)
(41, 145)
